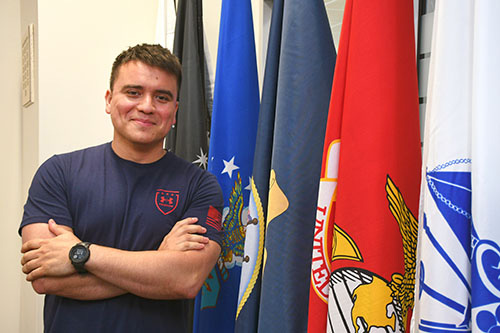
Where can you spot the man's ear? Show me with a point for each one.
(108, 97)
(175, 113)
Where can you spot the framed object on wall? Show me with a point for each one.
(28, 81)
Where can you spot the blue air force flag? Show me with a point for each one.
(232, 144)
(458, 277)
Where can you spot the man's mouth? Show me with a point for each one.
(143, 122)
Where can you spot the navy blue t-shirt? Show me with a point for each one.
(113, 202)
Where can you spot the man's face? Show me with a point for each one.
(142, 105)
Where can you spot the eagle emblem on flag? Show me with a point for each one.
(374, 301)
(234, 236)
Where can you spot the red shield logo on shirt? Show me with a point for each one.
(166, 201)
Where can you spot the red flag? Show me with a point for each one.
(363, 263)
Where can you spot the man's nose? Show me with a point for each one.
(146, 104)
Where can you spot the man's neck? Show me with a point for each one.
(142, 154)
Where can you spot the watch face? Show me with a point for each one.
(79, 254)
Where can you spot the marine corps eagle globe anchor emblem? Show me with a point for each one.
(365, 301)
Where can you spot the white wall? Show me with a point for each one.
(78, 41)
(10, 167)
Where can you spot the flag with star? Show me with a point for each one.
(189, 137)
(232, 144)
(297, 84)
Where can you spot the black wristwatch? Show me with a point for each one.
(79, 254)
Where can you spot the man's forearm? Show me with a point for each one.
(176, 270)
(84, 287)
(154, 274)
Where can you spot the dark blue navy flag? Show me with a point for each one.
(232, 144)
(274, 288)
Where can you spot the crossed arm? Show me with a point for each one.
(177, 269)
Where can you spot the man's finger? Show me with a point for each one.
(55, 228)
(35, 274)
(188, 225)
(192, 246)
(197, 246)
(29, 266)
(187, 221)
(199, 239)
(30, 245)
(30, 255)
(195, 229)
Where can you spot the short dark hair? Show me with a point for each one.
(151, 54)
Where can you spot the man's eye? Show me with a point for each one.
(132, 93)
(163, 98)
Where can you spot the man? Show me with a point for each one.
(117, 236)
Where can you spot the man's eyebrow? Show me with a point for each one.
(139, 87)
(132, 86)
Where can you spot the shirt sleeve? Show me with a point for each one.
(47, 196)
(207, 205)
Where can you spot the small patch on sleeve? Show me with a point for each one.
(214, 218)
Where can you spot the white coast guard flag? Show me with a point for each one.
(458, 276)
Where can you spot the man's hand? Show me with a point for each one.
(49, 257)
(185, 236)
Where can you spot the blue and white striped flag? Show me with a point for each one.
(458, 277)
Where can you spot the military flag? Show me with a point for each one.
(459, 254)
(165, 23)
(364, 248)
(232, 144)
(297, 84)
(189, 136)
